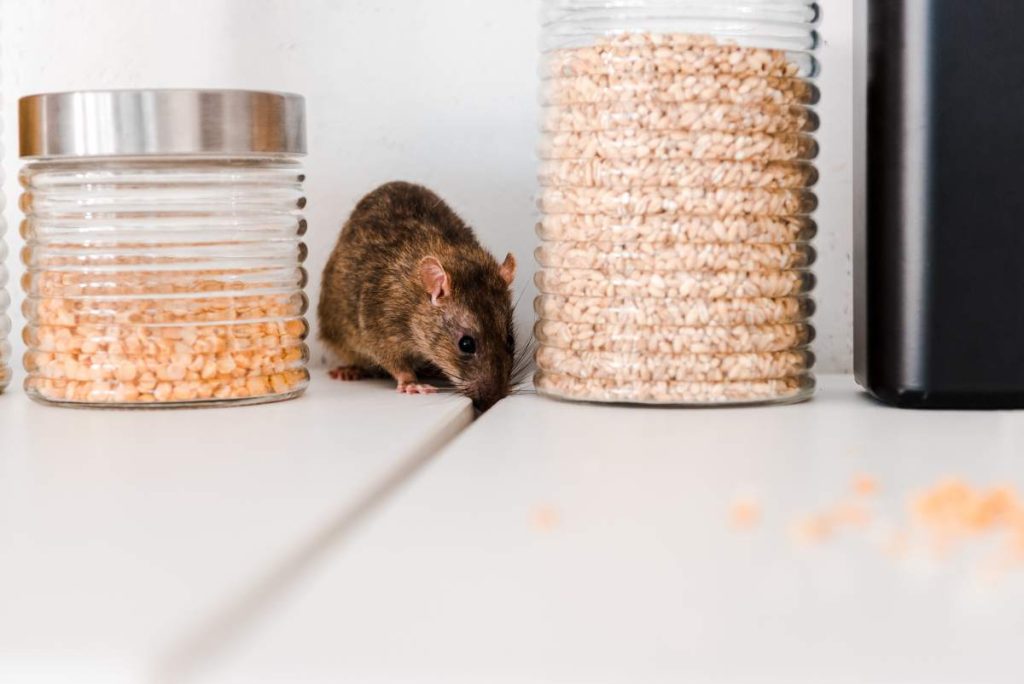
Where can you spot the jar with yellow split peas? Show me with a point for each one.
(677, 165)
(5, 321)
(164, 251)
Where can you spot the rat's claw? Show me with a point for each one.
(347, 373)
(416, 388)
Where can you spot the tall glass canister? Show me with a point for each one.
(5, 302)
(676, 167)
(164, 247)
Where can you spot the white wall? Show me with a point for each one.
(438, 91)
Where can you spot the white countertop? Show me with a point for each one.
(129, 540)
(554, 542)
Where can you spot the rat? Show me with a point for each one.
(408, 288)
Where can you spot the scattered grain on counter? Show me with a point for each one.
(953, 512)
(824, 525)
(943, 519)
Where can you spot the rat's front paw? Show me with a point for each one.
(347, 373)
(415, 388)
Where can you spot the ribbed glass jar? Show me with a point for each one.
(164, 279)
(5, 302)
(676, 167)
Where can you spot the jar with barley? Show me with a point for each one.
(676, 205)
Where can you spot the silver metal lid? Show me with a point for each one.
(128, 123)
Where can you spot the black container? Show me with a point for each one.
(940, 306)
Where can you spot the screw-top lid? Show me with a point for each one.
(125, 123)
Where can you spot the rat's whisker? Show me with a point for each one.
(519, 298)
(455, 381)
(522, 363)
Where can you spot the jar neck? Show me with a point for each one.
(166, 162)
(787, 25)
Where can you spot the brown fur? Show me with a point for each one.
(375, 306)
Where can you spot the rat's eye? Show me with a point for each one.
(467, 345)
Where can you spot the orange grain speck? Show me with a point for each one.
(544, 518)
(745, 513)
(850, 514)
(865, 485)
(814, 529)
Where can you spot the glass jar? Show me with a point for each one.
(164, 247)
(676, 167)
(5, 302)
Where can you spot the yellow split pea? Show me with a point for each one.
(130, 348)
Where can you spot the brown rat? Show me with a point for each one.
(408, 287)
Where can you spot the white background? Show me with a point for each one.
(443, 92)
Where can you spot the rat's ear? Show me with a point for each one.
(434, 279)
(508, 269)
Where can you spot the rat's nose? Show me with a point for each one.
(487, 394)
(482, 405)
(484, 402)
